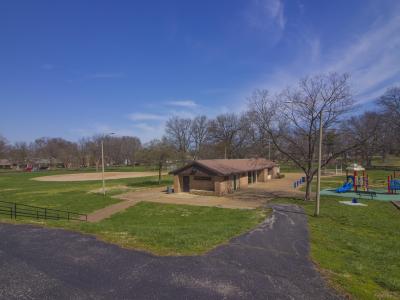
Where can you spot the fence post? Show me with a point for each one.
(15, 210)
(45, 213)
(68, 215)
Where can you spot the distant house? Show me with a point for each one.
(5, 164)
(222, 176)
(44, 163)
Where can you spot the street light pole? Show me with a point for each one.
(102, 167)
(102, 163)
(317, 202)
(269, 149)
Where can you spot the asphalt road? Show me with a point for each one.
(270, 262)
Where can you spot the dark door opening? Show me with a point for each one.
(186, 183)
(234, 183)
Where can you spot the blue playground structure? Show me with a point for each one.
(299, 182)
(394, 185)
(347, 186)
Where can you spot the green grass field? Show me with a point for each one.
(73, 196)
(390, 160)
(168, 229)
(159, 228)
(358, 248)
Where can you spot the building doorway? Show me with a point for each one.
(186, 183)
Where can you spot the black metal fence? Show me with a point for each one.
(15, 210)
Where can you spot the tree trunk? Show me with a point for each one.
(307, 196)
(369, 161)
(159, 172)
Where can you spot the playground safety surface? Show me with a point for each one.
(380, 195)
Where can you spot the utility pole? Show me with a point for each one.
(269, 149)
(102, 163)
(317, 202)
(102, 166)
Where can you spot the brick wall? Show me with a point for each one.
(223, 186)
(177, 184)
(243, 181)
(207, 185)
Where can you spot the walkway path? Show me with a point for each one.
(106, 212)
(270, 262)
(255, 196)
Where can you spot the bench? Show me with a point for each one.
(368, 193)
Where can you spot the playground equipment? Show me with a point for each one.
(359, 183)
(299, 182)
(356, 181)
(393, 184)
(347, 186)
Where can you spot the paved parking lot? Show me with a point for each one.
(270, 262)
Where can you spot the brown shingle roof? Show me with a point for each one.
(224, 167)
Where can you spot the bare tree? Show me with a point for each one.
(56, 149)
(200, 134)
(366, 129)
(20, 153)
(3, 147)
(390, 102)
(158, 152)
(178, 132)
(94, 150)
(292, 119)
(130, 147)
(226, 130)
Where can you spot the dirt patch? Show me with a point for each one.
(94, 176)
(122, 188)
(256, 195)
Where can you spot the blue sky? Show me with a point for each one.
(76, 68)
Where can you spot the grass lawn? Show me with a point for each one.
(159, 228)
(168, 229)
(73, 196)
(391, 160)
(289, 168)
(358, 248)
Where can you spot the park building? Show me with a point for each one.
(222, 176)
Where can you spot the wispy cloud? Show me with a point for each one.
(144, 131)
(100, 129)
(145, 117)
(183, 103)
(263, 14)
(182, 113)
(105, 75)
(372, 59)
(146, 127)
